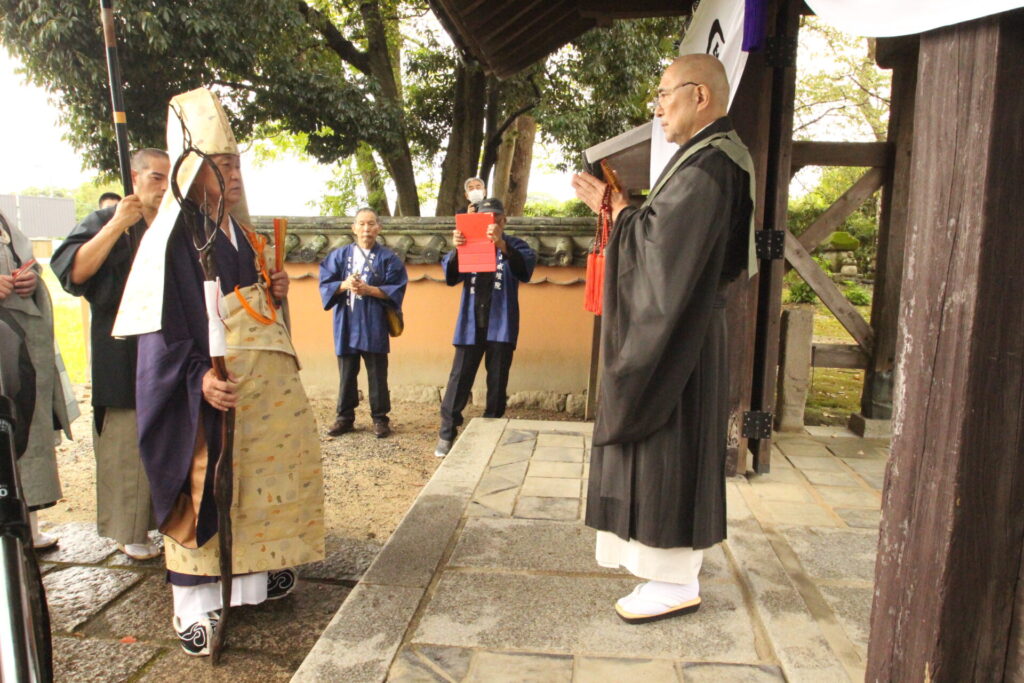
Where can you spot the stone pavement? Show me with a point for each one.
(111, 616)
(490, 576)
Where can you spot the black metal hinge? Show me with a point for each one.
(770, 244)
(757, 424)
(780, 51)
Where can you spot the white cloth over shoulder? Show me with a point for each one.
(880, 18)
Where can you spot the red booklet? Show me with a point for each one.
(477, 255)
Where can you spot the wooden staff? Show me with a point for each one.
(116, 94)
(204, 232)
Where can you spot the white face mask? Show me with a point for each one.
(475, 196)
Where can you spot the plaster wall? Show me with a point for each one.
(553, 354)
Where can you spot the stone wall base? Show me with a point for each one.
(572, 404)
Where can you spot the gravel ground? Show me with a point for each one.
(369, 482)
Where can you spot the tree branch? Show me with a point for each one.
(338, 43)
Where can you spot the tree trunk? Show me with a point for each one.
(460, 161)
(519, 171)
(376, 198)
(492, 138)
(397, 158)
(503, 166)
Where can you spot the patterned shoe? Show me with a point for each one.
(280, 583)
(197, 637)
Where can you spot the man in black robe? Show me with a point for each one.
(656, 492)
(94, 262)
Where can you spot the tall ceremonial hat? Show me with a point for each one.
(195, 121)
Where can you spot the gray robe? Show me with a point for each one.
(657, 470)
(37, 467)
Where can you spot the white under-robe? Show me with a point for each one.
(672, 565)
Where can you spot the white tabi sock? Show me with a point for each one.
(193, 602)
(39, 539)
(656, 597)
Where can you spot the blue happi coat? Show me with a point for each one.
(359, 321)
(503, 323)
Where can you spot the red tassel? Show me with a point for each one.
(594, 291)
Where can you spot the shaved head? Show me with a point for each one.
(707, 70)
(693, 93)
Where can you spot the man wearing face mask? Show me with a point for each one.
(475, 190)
(488, 324)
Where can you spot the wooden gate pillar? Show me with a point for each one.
(949, 555)
(900, 55)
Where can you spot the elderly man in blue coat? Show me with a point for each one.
(359, 281)
(488, 324)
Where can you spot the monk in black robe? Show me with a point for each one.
(657, 475)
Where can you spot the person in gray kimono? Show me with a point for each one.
(24, 297)
(656, 492)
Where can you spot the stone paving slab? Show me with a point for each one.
(852, 605)
(79, 544)
(574, 615)
(735, 673)
(75, 594)
(98, 661)
(604, 669)
(174, 667)
(556, 509)
(848, 496)
(834, 553)
(528, 545)
(500, 667)
(431, 663)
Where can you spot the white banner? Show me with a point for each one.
(880, 18)
(716, 29)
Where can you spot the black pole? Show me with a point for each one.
(116, 94)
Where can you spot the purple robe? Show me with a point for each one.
(171, 365)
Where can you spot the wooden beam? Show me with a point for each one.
(842, 208)
(948, 574)
(830, 295)
(846, 356)
(840, 154)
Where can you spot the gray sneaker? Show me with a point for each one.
(442, 448)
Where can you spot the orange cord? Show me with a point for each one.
(258, 243)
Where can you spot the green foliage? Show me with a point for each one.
(341, 196)
(839, 87)
(799, 292)
(603, 83)
(862, 225)
(857, 295)
(266, 61)
(550, 207)
(843, 241)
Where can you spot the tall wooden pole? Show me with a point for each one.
(116, 94)
(948, 587)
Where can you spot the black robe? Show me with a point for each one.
(113, 360)
(657, 471)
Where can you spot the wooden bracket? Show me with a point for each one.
(757, 424)
(770, 244)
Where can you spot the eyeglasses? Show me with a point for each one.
(662, 93)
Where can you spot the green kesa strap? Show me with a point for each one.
(731, 145)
